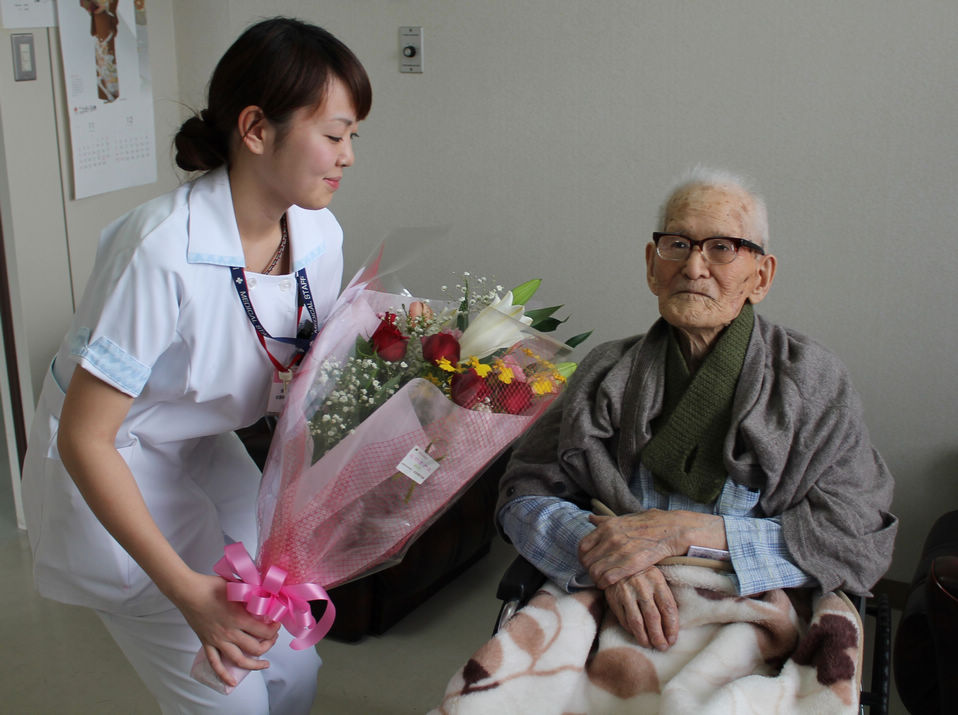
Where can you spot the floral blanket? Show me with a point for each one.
(776, 652)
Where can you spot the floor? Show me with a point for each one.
(74, 667)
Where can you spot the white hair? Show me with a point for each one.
(703, 176)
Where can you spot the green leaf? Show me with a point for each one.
(547, 325)
(391, 382)
(566, 369)
(522, 293)
(364, 348)
(462, 319)
(577, 339)
(540, 313)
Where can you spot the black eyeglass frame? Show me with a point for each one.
(738, 243)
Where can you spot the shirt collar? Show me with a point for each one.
(213, 234)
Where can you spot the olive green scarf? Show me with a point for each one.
(685, 452)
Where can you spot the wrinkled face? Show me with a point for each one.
(701, 298)
(306, 164)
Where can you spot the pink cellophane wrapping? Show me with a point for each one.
(334, 520)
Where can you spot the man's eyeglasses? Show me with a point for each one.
(717, 249)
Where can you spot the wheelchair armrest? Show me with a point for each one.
(516, 587)
(520, 581)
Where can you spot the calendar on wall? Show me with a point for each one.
(109, 94)
(27, 13)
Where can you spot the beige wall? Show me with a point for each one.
(545, 132)
(33, 212)
(51, 238)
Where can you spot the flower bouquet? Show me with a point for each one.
(397, 407)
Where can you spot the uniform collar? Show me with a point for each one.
(214, 237)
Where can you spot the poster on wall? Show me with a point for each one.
(16, 14)
(106, 69)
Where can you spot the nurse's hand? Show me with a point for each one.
(93, 412)
(224, 627)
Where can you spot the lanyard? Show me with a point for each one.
(304, 299)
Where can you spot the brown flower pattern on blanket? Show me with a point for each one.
(624, 672)
(472, 673)
(826, 648)
(528, 635)
(481, 666)
(565, 653)
(525, 632)
(775, 633)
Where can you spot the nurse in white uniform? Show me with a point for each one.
(199, 301)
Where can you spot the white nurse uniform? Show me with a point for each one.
(161, 321)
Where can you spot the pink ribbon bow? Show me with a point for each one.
(270, 599)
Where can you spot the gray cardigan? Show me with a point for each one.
(798, 435)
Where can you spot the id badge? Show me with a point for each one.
(278, 390)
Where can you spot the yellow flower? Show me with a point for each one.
(481, 370)
(444, 364)
(506, 376)
(541, 385)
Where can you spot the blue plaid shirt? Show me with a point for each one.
(547, 531)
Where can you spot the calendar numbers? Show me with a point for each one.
(102, 151)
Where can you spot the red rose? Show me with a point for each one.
(387, 341)
(514, 397)
(439, 346)
(468, 389)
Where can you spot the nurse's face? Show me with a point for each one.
(305, 164)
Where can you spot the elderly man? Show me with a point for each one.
(715, 429)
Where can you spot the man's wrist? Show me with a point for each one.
(703, 530)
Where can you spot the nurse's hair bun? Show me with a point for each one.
(200, 146)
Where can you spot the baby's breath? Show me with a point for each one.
(359, 386)
(474, 293)
(344, 393)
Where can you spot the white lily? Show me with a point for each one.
(499, 325)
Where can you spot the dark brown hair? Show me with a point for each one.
(278, 65)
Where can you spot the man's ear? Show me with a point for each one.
(766, 274)
(253, 128)
(649, 273)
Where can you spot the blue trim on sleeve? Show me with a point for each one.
(113, 362)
